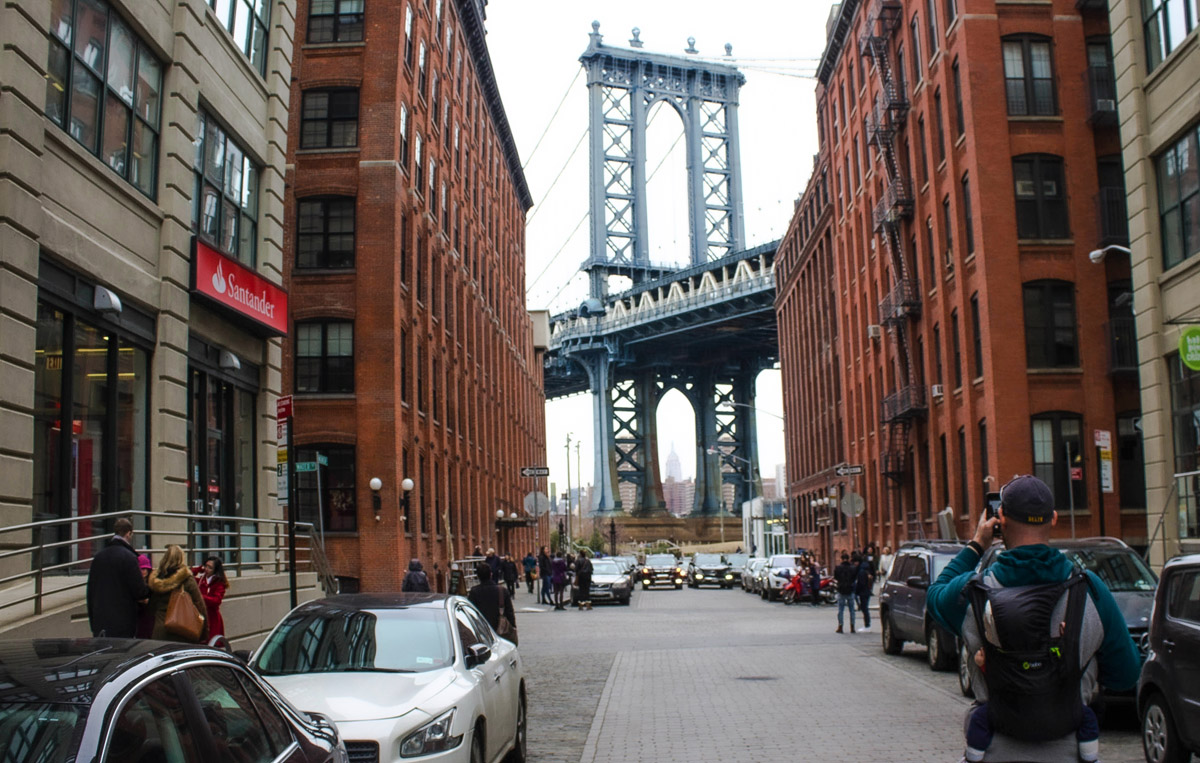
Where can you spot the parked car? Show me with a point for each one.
(1131, 582)
(736, 562)
(902, 615)
(402, 675)
(750, 573)
(709, 569)
(1168, 694)
(136, 701)
(777, 572)
(662, 569)
(610, 582)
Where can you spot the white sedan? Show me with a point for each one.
(404, 676)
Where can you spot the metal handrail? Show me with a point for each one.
(310, 553)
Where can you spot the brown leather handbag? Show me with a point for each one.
(182, 618)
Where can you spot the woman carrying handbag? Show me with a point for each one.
(171, 587)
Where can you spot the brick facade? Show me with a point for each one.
(958, 234)
(447, 387)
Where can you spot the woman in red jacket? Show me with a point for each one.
(213, 585)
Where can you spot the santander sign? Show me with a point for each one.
(236, 287)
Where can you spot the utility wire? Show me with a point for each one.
(552, 117)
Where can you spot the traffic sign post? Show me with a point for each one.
(283, 414)
(849, 470)
(535, 471)
(538, 472)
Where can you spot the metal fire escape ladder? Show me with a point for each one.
(902, 303)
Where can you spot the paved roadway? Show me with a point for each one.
(694, 676)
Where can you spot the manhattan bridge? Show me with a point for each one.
(706, 329)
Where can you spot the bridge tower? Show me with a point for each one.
(623, 85)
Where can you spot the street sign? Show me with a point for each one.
(536, 503)
(853, 505)
(848, 470)
(322, 459)
(535, 471)
(306, 466)
(283, 407)
(1077, 473)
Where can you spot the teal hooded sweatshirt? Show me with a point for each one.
(1118, 660)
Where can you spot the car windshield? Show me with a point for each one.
(736, 560)
(788, 561)
(1119, 568)
(40, 731)
(330, 640)
(707, 560)
(603, 567)
(659, 560)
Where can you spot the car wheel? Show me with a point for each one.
(645, 586)
(891, 644)
(477, 747)
(625, 602)
(940, 654)
(964, 671)
(520, 741)
(679, 586)
(1160, 740)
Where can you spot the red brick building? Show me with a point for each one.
(411, 354)
(972, 162)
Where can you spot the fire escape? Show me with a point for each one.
(901, 307)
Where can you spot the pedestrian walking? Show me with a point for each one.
(1032, 607)
(862, 591)
(170, 576)
(583, 580)
(814, 581)
(415, 580)
(885, 567)
(494, 602)
(530, 565)
(210, 578)
(115, 585)
(846, 576)
(508, 568)
(558, 577)
(545, 572)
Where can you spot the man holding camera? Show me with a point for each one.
(1044, 636)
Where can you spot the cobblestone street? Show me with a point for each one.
(709, 675)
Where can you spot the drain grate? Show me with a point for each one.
(757, 678)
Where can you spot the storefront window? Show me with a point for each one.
(1185, 415)
(103, 395)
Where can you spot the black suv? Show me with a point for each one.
(1168, 694)
(902, 615)
(709, 569)
(662, 569)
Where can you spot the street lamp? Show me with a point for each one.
(376, 484)
(1097, 255)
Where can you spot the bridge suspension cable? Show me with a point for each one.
(552, 118)
(538, 206)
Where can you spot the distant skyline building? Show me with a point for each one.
(674, 467)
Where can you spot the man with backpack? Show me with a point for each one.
(415, 580)
(1043, 634)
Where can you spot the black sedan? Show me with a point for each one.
(147, 701)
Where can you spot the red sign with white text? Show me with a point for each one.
(238, 288)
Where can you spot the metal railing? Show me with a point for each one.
(1102, 94)
(244, 543)
(902, 301)
(1113, 216)
(905, 403)
(1122, 346)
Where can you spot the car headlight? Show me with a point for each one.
(645, 570)
(432, 737)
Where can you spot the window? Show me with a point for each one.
(922, 151)
(960, 125)
(1183, 596)
(418, 168)
(1050, 340)
(956, 345)
(964, 490)
(1179, 199)
(1029, 77)
(968, 222)
(977, 336)
(408, 38)
(422, 72)
(1056, 438)
(238, 732)
(325, 235)
(937, 354)
(247, 21)
(932, 27)
(335, 21)
(329, 119)
(901, 84)
(983, 455)
(325, 356)
(103, 86)
(941, 130)
(945, 471)
(153, 719)
(1131, 460)
(404, 137)
(225, 198)
(1041, 197)
(948, 224)
(929, 248)
(915, 29)
(951, 12)
(336, 504)
(1185, 421)
(1167, 22)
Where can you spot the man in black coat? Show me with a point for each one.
(493, 601)
(846, 576)
(544, 574)
(115, 587)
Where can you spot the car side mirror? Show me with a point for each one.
(916, 581)
(478, 654)
(243, 655)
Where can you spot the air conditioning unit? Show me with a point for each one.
(949, 261)
(1106, 104)
(874, 331)
(936, 390)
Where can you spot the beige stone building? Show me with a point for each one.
(142, 153)
(1156, 50)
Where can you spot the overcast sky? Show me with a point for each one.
(535, 47)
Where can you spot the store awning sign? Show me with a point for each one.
(1189, 347)
(238, 288)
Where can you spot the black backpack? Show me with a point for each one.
(1033, 683)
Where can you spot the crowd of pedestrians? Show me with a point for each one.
(855, 578)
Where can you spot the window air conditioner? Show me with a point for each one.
(1106, 104)
(936, 390)
(874, 331)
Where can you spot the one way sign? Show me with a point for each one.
(535, 471)
(847, 470)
